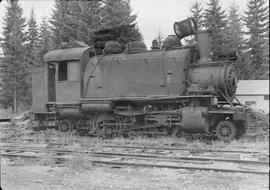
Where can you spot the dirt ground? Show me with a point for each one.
(32, 176)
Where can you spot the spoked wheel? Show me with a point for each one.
(226, 131)
(65, 125)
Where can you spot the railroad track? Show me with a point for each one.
(179, 147)
(188, 149)
(144, 160)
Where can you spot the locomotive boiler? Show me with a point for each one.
(163, 91)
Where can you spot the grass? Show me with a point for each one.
(146, 141)
(47, 160)
(253, 144)
(256, 144)
(18, 161)
(80, 162)
(75, 142)
(72, 141)
(14, 131)
(51, 135)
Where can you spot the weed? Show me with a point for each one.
(80, 162)
(48, 160)
(18, 161)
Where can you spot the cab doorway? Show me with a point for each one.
(51, 82)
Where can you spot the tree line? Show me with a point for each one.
(247, 33)
(25, 41)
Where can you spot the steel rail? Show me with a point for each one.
(150, 165)
(176, 158)
(191, 149)
(108, 144)
(179, 167)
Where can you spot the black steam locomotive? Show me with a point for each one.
(151, 92)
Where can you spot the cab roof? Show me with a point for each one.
(65, 54)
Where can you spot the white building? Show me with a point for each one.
(254, 93)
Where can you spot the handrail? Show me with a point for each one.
(88, 79)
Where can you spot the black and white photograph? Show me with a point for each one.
(134, 95)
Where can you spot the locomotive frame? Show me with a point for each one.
(154, 92)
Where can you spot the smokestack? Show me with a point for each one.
(204, 46)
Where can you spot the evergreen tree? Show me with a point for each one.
(75, 20)
(215, 21)
(117, 13)
(196, 10)
(266, 43)
(44, 41)
(265, 67)
(32, 39)
(160, 38)
(14, 81)
(60, 25)
(86, 18)
(83, 20)
(117, 18)
(243, 65)
(234, 29)
(256, 23)
(122, 34)
(234, 38)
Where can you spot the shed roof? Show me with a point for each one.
(252, 87)
(65, 54)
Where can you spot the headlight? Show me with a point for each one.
(185, 28)
(177, 29)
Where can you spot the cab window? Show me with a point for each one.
(62, 71)
(68, 71)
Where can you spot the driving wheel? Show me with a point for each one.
(226, 130)
(65, 125)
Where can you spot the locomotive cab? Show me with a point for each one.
(67, 65)
(58, 81)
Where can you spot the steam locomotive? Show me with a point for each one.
(148, 92)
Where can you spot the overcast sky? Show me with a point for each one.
(152, 15)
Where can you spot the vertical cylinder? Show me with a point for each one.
(204, 46)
